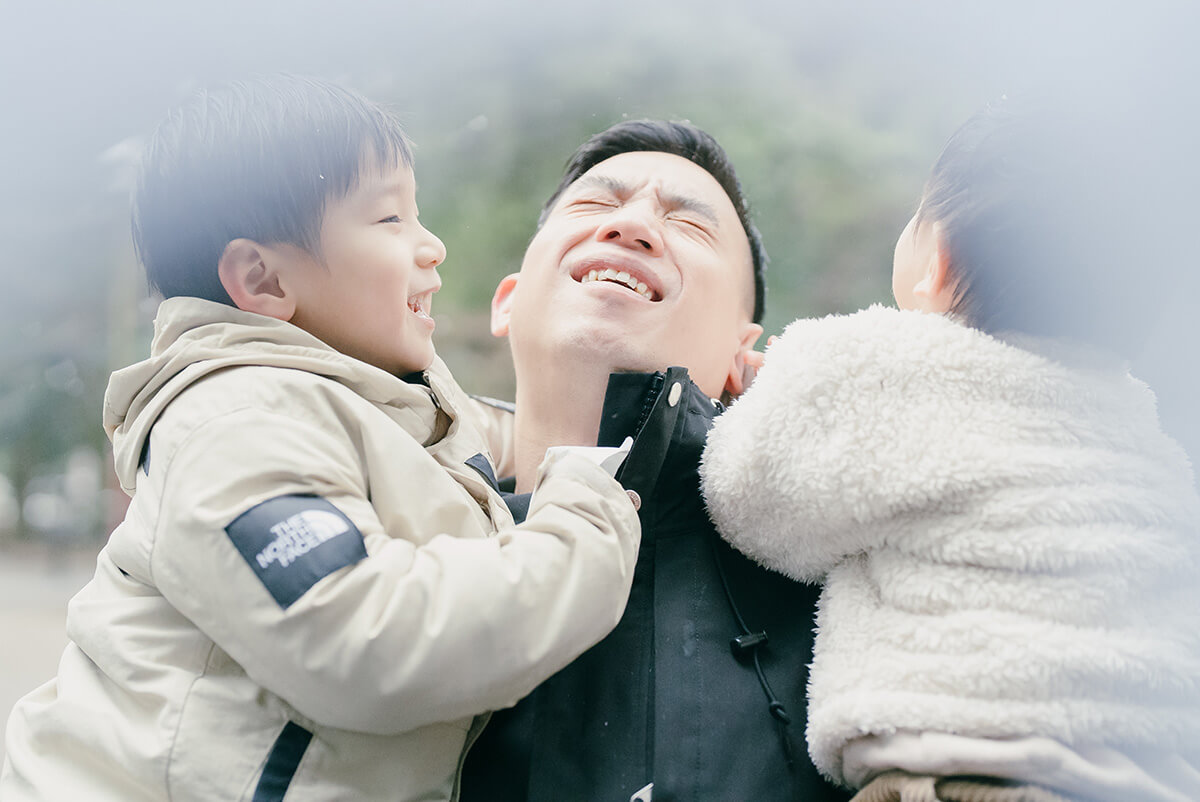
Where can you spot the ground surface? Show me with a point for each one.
(35, 584)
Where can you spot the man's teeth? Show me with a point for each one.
(621, 277)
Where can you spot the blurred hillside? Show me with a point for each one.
(832, 112)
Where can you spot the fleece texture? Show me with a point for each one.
(1007, 540)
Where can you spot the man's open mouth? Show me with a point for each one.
(620, 277)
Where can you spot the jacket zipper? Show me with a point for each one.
(477, 725)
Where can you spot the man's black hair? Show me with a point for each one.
(257, 159)
(679, 139)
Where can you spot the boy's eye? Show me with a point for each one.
(392, 218)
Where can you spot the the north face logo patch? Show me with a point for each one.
(293, 542)
(299, 535)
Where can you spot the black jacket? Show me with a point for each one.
(664, 699)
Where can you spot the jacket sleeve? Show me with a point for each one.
(428, 627)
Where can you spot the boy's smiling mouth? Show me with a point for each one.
(419, 305)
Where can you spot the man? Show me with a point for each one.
(645, 258)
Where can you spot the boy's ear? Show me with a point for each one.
(250, 273)
(935, 290)
(745, 362)
(502, 302)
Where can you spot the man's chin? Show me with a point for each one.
(600, 349)
(614, 348)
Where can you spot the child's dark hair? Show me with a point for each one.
(257, 159)
(1041, 205)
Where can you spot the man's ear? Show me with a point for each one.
(935, 290)
(502, 302)
(745, 362)
(250, 273)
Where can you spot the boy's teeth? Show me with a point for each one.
(621, 277)
(416, 306)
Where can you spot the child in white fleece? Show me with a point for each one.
(1007, 540)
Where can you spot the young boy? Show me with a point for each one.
(317, 586)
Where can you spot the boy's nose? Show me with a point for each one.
(431, 252)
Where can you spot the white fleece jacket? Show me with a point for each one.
(1007, 539)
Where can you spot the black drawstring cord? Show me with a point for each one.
(748, 643)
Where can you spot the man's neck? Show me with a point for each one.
(558, 406)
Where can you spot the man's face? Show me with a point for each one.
(641, 264)
(371, 294)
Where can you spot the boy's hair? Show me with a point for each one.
(258, 159)
(1043, 204)
(679, 139)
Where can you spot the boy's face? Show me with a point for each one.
(370, 295)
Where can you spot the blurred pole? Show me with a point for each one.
(124, 296)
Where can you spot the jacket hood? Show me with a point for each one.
(193, 338)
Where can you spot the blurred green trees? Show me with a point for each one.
(832, 114)
(832, 162)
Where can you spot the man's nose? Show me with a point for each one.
(632, 227)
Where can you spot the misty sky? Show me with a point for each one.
(80, 77)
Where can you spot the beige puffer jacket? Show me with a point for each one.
(316, 589)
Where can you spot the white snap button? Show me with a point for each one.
(673, 396)
(635, 499)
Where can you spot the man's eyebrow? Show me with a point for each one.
(671, 201)
(614, 185)
(687, 203)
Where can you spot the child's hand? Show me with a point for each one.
(751, 362)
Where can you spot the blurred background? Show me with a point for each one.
(831, 111)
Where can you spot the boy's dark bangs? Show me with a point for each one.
(379, 154)
(372, 141)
